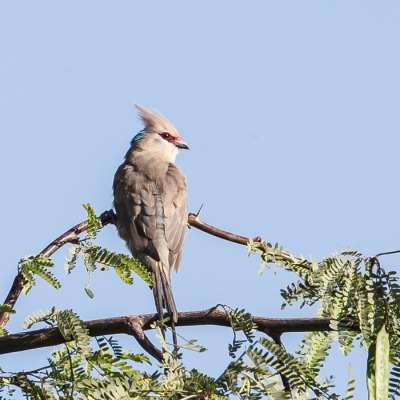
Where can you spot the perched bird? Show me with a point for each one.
(151, 203)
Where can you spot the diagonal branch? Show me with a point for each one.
(193, 220)
(135, 329)
(68, 237)
(135, 325)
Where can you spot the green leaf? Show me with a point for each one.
(31, 265)
(43, 273)
(350, 386)
(382, 364)
(50, 317)
(72, 328)
(5, 308)
(192, 347)
(125, 274)
(122, 264)
(94, 223)
(3, 333)
(74, 251)
(139, 358)
(371, 380)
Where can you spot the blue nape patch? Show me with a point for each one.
(138, 138)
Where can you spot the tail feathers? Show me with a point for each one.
(169, 298)
(157, 291)
(163, 295)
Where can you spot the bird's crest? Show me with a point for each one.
(155, 122)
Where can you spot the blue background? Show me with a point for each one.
(291, 111)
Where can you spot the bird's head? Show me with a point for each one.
(158, 136)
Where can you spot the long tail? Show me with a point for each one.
(164, 298)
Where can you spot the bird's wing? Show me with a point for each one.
(134, 203)
(174, 199)
(135, 194)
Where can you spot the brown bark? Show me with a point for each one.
(135, 325)
(108, 217)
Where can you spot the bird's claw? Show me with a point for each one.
(109, 217)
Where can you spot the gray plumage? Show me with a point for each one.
(151, 204)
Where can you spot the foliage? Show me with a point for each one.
(91, 254)
(360, 298)
(36, 265)
(363, 305)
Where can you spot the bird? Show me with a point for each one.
(150, 200)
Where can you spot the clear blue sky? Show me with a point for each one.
(291, 111)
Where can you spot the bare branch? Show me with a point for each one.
(193, 220)
(135, 325)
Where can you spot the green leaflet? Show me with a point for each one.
(123, 264)
(125, 274)
(382, 364)
(43, 273)
(72, 328)
(350, 386)
(371, 381)
(94, 223)
(73, 251)
(295, 369)
(5, 308)
(50, 317)
(89, 292)
(31, 265)
(314, 349)
(378, 367)
(31, 280)
(240, 321)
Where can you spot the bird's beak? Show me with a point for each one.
(180, 143)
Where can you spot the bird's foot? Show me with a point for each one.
(108, 217)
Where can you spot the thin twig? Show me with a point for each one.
(388, 252)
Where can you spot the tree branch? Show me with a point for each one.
(193, 220)
(135, 329)
(108, 217)
(135, 325)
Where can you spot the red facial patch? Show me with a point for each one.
(167, 136)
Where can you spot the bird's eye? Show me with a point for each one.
(165, 135)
